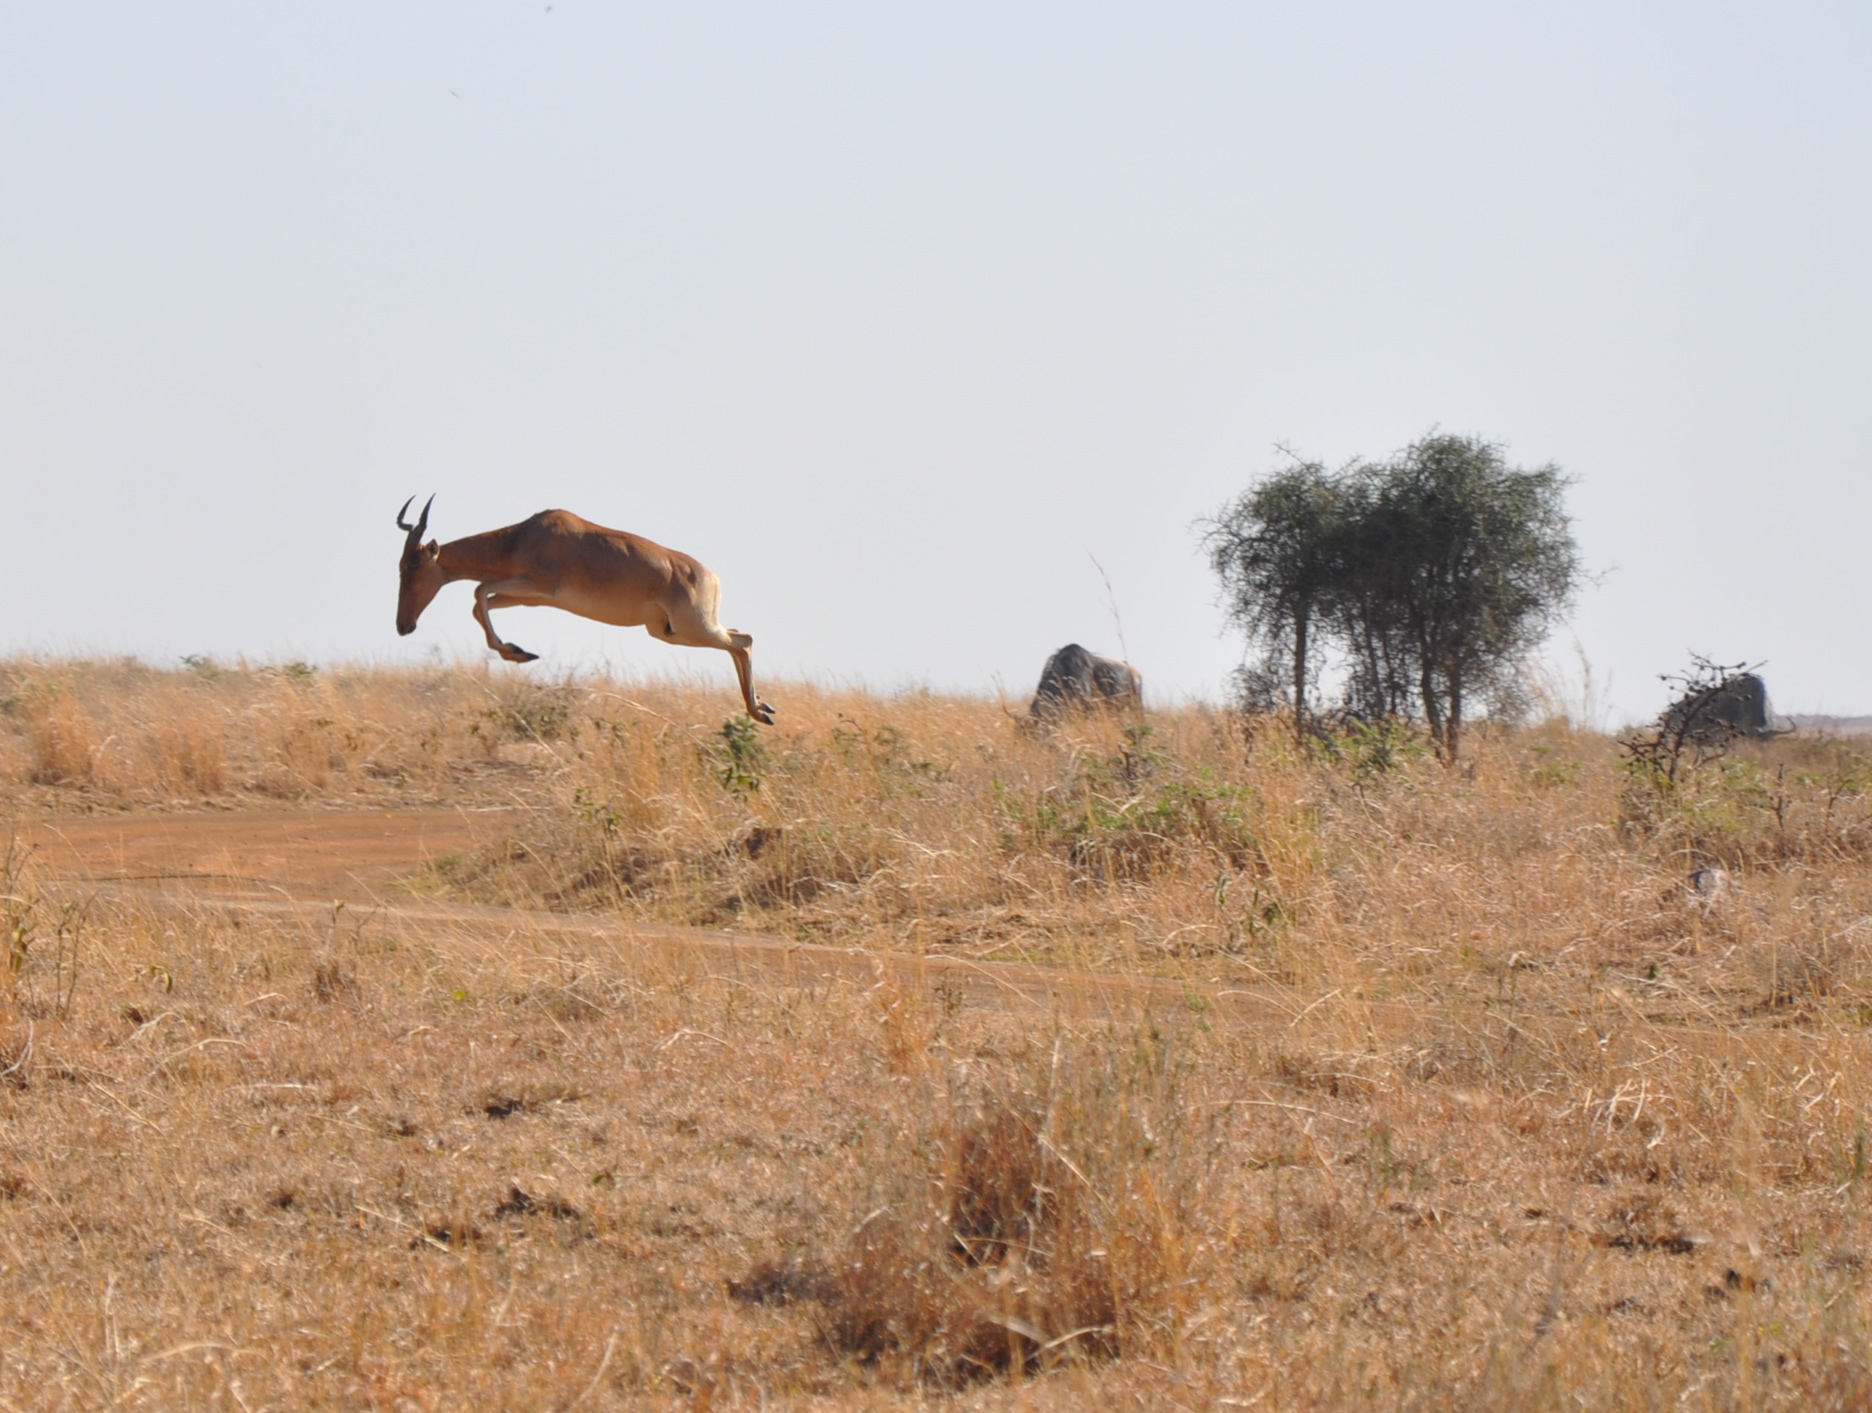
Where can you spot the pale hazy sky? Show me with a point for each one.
(898, 316)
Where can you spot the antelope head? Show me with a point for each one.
(419, 572)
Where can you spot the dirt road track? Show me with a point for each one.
(356, 856)
(299, 863)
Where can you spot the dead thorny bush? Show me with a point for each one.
(1701, 788)
(1760, 805)
(1696, 727)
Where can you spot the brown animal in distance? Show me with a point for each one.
(557, 560)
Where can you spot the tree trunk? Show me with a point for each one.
(1452, 729)
(1432, 708)
(1300, 676)
(1396, 698)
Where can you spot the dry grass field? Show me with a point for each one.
(469, 1039)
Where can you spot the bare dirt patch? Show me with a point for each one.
(360, 856)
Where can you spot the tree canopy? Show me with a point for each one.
(1427, 577)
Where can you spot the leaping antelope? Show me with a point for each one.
(558, 560)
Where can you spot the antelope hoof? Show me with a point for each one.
(514, 653)
(762, 713)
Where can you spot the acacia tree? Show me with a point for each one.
(1482, 561)
(1369, 622)
(1431, 575)
(1275, 548)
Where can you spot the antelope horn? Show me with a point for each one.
(422, 521)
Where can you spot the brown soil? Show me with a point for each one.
(356, 856)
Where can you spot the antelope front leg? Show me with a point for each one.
(509, 592)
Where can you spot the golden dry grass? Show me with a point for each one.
(1434, 1087)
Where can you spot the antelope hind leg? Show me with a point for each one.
(689, 627)
(744, 669)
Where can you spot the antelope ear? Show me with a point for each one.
(433, 550)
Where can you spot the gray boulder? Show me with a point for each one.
(1077, 680)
